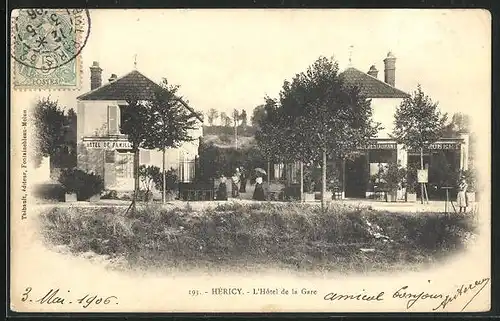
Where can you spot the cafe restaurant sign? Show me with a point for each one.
(441, 145)
(107, 144)
(380, 145)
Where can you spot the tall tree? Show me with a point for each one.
(134, 117)
(418, 123)
(225, 119)
(257, 114)
(270, 133)
(244, 118)
(212, 116)
(459, 124)
(235, 117)
(330, 119)
(236, 122)
(170, 123)
(322, 118)
(49, 121)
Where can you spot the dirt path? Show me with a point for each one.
(433, 206)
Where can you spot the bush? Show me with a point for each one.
(84, 184)
(394, 176)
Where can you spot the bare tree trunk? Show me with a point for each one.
(236, 136)
(301, 181)
(136, 178)
(323, 183)
(268, 172)
(164, 188)
(421, 167)
(343, 177)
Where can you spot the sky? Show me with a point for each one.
(227, 59)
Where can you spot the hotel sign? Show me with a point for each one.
(107, 144)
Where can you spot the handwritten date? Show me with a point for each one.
(56, 296)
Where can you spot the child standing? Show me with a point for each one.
(462, 196)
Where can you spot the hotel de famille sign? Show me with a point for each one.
(106, 144)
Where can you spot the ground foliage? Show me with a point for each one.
(290, 236)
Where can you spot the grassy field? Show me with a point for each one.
(288, 236)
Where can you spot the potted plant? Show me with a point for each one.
(393, 176)
(333, 185)
(309, 185)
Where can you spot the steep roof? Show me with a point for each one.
(370, 86)
(134, 84)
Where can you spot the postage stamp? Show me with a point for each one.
(46, 46)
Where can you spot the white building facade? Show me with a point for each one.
(104, 150)
(385, 98)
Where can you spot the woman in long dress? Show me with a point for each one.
(243, 182)
(258, 193)
(235, 191)
(462, 196)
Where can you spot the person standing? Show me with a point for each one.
(222, 189)
(258, 193)
(243, 183)
(236, 183)
(462, 196)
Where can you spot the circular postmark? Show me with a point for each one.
(46, 39)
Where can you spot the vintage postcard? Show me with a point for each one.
(250, 160)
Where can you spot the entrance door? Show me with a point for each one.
(356, 177)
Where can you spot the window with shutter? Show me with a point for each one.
(112, 120)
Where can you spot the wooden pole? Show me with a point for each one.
(164, 191)
(426, 195)
(343, 178)
(421, 167)
(323, 183)
(236, 134)
(268, 172)
(136, 178)
(301, 181)
(447, 200)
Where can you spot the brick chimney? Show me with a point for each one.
(390, 69)
(112, 78)
(373, 71)
(95, 76)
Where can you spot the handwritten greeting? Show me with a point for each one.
(409, 297)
